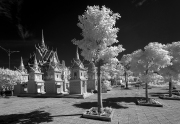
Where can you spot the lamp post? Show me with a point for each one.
(9, 52)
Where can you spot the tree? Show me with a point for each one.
(99, 34)
(8, 78)
(109, 70)
(172, 72)
(148, 61)
(125, 61)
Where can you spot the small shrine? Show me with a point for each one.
(92, 77)
(78, 80)
(54, 82)
(21, 87)
(35, 83)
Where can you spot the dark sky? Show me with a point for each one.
(141, 22)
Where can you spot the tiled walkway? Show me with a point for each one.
(69, 110)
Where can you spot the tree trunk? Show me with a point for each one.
(12, 93)
(126, 80)
(170, 88)
(146, 92)
(100, 106)
(12, 88)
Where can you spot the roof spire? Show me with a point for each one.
(21, 67)
(77, 54)
(35, 62)
(42, 44)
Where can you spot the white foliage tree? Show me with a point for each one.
(151, 59)
(99, 34)
(125, 61)
(172, 72)
(110, 71)
(8, 78)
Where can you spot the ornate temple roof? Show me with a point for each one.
(35, 68)
(91, 67)
(21, 68)
(77, 62)
(43, 55)
(54, 63)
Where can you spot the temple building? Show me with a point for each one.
(92, 77)
(46, 75)
(78, 80)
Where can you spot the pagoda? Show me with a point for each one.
(21, 87)
(78, 80)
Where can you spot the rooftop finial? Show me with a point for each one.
(21, 67)
(43, 45)
(77, 54)
(35, 62)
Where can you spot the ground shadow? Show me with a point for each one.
(26, 118)
(122, 99)
(156, 94)
(109, 102)
(66, 115)
(126, 88)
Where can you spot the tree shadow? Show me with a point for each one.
(156, 94)
(109, 102)
(26, 118)
(66, 115)
(123, 99)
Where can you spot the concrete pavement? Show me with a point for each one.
(69, 110)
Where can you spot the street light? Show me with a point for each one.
(9, 52)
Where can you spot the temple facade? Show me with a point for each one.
(46, 75)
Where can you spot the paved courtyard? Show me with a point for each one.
(23, 110)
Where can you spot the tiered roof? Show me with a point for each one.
(35, 66)
(77, 62)
(54, 63)
(43, 55)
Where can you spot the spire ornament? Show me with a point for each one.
(21, 67)
(77, 54)
(42, 44)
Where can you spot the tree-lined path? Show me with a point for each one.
(68, 110)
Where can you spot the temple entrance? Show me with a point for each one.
(58, 89)
(38, 89)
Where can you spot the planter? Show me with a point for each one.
(106, 115)
(174, 97)
(151, 102)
